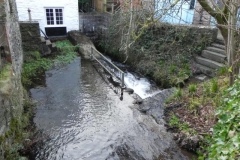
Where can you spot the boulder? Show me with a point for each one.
(84, 42)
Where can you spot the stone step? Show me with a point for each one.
(208, 63)
(53, 47)
(217, 50)
(48, 42)
(45, 49)
(220, 41)
(43, 40)
(218, 46)
(214, 56)
(205, 70)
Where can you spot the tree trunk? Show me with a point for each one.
(224, 32)
(231, 45)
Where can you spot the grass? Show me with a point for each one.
(192, 88)
(199, 104)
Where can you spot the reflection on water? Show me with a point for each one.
(86, 120)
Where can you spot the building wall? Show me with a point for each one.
(11, 93)
(179, 14)
(37, 7)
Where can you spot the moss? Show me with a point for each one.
(30, 56)
(5, 80)
(13, 140)
(5, 74)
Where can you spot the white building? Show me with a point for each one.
(55, 17)
(181, 13)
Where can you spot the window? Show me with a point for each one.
(54, 16)
(192, 3)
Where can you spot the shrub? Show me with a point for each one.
(225, 142)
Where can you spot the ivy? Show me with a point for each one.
(225, 141)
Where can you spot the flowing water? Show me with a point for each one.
(81, 118)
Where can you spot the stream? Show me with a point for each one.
(81, 118)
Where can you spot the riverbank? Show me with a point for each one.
(17, 142)
(191, 113)
(165, 54)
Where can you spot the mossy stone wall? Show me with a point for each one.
(11, 92)
(30, 36)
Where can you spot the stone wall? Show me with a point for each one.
(201, 16)
(30, 36)
(11, 93)
(91, 22)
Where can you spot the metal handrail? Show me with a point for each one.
(44, 34)
(121, 72)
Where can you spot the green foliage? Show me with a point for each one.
(223, 71)
(225, 142)
(174, 121)
(194, 103)
(214, 85)
(32, 70)
(183, 126)
(30, 56)
(206, 90)
(172, 68)
(172, 46)
(17, 132)
(178, 93)
(5, 72)
(66, 46)
(192, 88)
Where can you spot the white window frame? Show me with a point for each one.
(54, 15)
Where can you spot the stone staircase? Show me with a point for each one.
(211, 59)
(47, 46)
